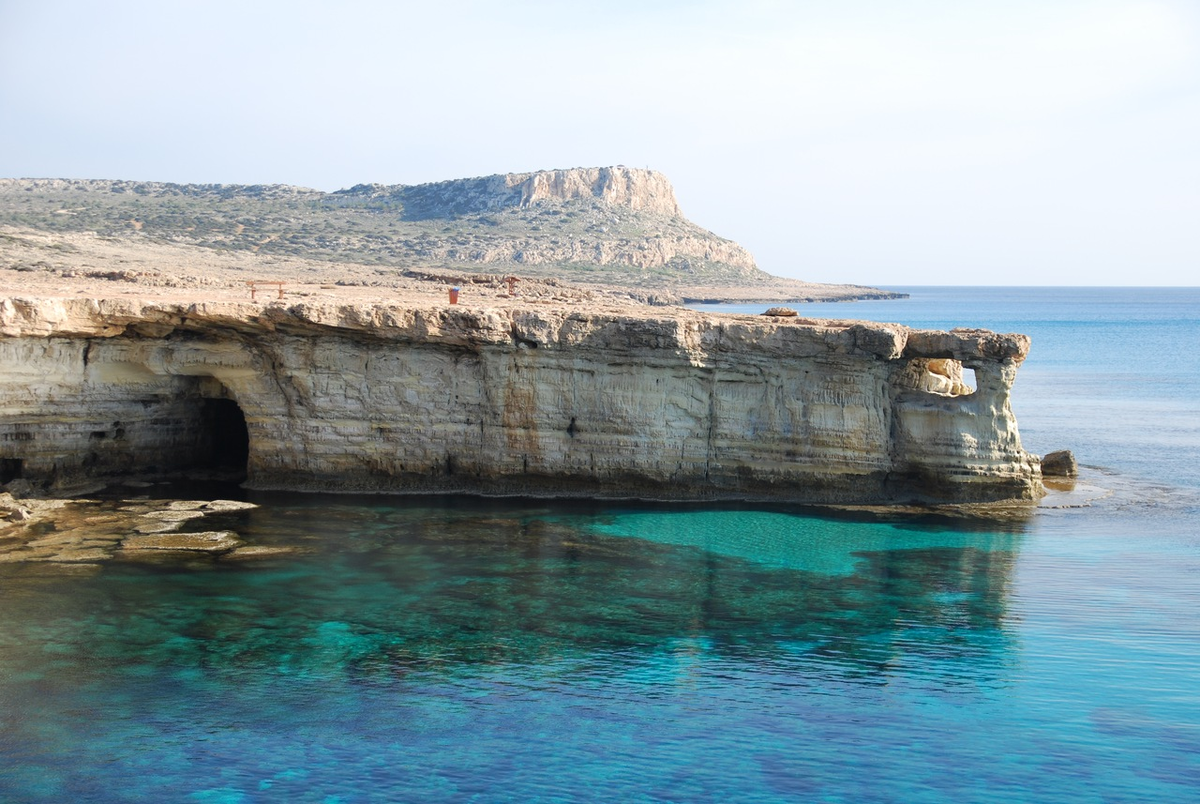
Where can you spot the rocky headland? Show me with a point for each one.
(300, 340)
(507, 395)
(616, 226)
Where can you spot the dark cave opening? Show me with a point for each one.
(224, 440)
(10, 469)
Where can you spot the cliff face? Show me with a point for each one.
(619, 187)
(508, 400)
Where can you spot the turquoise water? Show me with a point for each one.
(459, 649)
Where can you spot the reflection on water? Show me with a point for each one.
(398, 589)
(459, 649)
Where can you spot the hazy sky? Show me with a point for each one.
(897, 142)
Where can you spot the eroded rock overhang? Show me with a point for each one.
(537, 400)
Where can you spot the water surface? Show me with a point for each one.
(461, 649)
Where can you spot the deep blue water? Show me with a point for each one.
(457, 649)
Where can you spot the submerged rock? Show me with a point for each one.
(260, 551)
(85, 555)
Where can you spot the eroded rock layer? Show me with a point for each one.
(510, 400)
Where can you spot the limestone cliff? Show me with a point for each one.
(619, 187)
(512, 400)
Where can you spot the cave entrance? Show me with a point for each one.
(10, 469)
(223, 444)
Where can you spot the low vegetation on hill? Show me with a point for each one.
(611, 226)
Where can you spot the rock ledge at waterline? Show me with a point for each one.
(512, 398)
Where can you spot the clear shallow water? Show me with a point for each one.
(472, 650)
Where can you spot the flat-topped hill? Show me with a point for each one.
(613, 226)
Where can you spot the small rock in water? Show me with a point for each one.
(214, 541)
(228, 505)
(185, 505)
(59, 538)
(1061, 463)
(783, 312)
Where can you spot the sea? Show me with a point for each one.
(465, 649)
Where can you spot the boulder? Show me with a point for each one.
(11, 510)
(1061, 463)
(215, 506)
(21, 488)
(221, 541)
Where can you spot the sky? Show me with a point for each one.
(923, 142)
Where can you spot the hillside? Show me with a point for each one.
(612, 226)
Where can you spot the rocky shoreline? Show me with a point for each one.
(82, 533)
(510, 396)
(78, 534)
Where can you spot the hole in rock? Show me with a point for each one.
(224, 442)
(941, 376)
(10, 469)
(968, 378)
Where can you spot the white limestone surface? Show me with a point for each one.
(514, 400)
